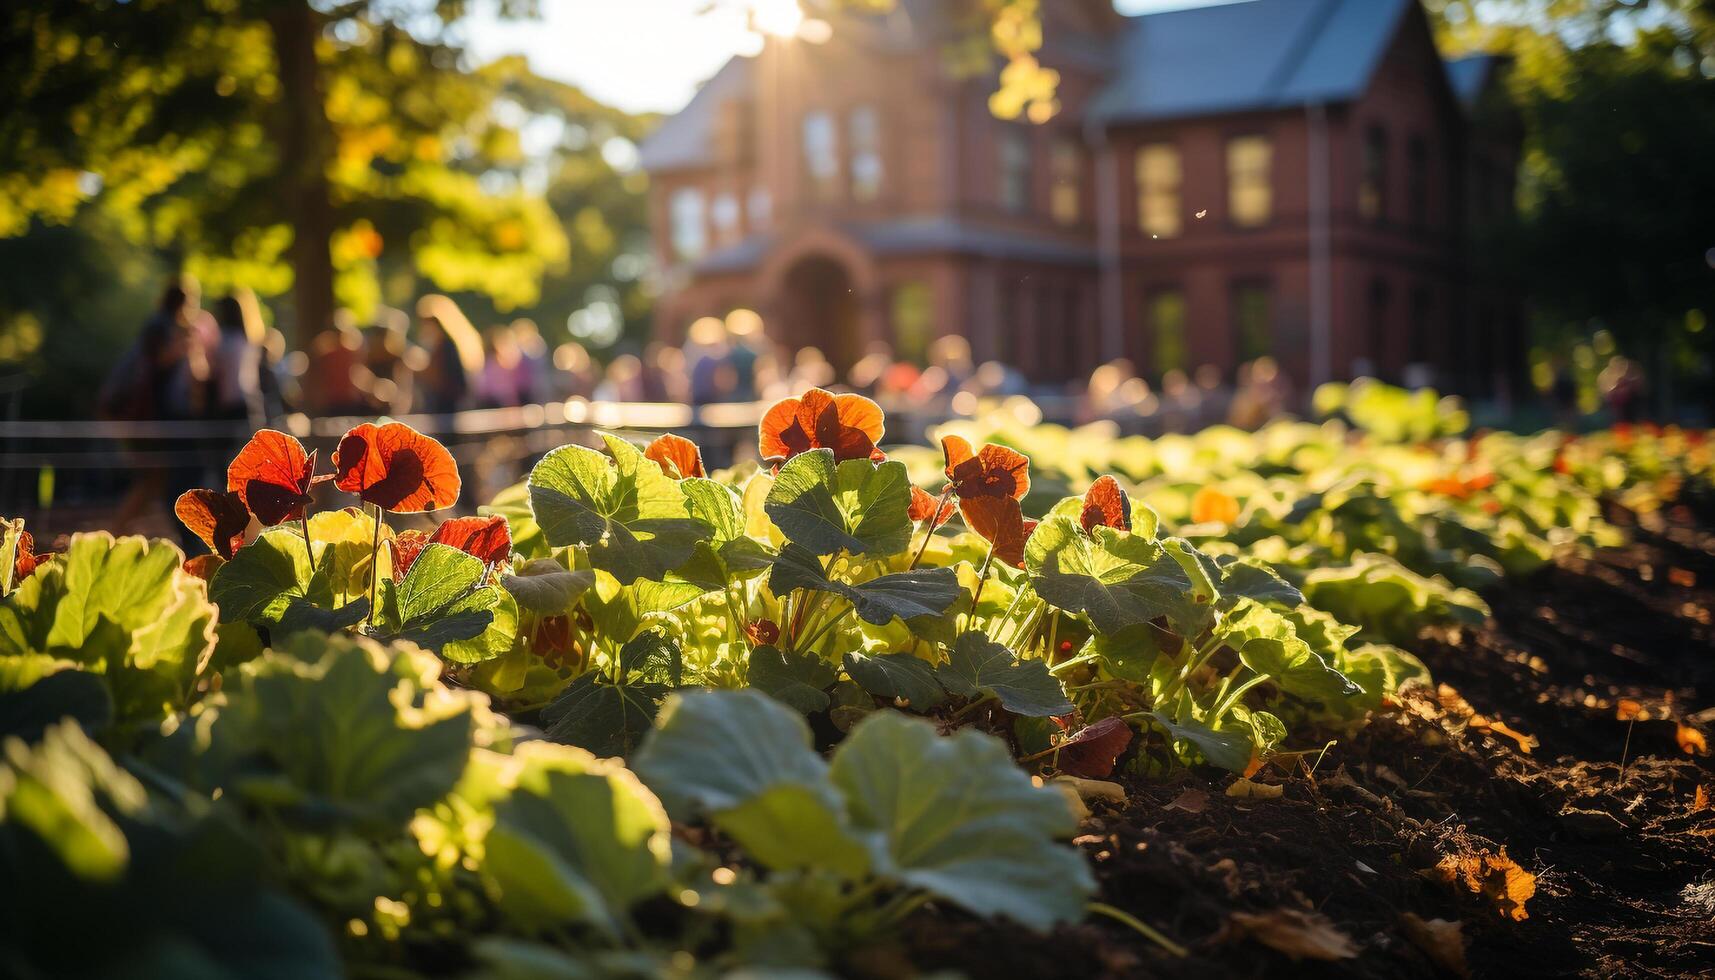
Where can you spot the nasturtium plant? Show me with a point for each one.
(828, 507)
(445, 604)
(620, 507)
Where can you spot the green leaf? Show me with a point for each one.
(607, 719)
(800, 681)
(443, 605)
(321, 722)
(1267, 643)
(513, 503)
(978, 667)
(652, 657)
(1229, 749)
(897, 677)
(630, 516)
(545, 586)
(905, 595)
(1244, 578)
(301, 616)
(1128, 654)
(264, 578)
(1200, 570)
(1115, 578)
(745, 761)
(578, 841)
(495, 640)
(956, 817)
(64, 791)
(858, 506)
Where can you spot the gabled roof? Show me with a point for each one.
(686, 138)
(1470, 76)
(1257, 54)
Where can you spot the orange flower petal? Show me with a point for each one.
(218, 519)
(1211, 506)
(25, 561)
(272, 475)
(677, 456)
(999, 521)
(396, 468)
(203, 566)
(488, 538)
(850, 425)
(923, 506)
(406, 545)
(1106, 505)
(992, 471)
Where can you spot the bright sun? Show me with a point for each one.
(781, 18)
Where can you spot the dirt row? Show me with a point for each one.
(1433, 843)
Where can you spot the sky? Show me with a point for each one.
(641, 55)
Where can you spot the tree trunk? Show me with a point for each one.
(306, 148)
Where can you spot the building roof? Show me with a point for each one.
(1470, 76)
(686, 138)
(1232, 57)
(1238, 57)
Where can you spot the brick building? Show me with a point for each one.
(1297, 178)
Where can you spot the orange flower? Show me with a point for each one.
(396, 468)
(218, 519)
(1001, 522)
(762, 632)
(1106, 505)
(25, 561)
(272, 475)
(203, 566)
(677, 456)
(487, 538)
(992, 471)
(850, 425)
(923, 507)
(407, 545)
(1211, 506)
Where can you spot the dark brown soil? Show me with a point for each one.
(1623, 862)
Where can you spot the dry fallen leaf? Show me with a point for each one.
(1093, 789)
(1700, 799)
(1525, 742)
(1629, 710)
(1493, 875)
(1246, 789)
(1300, 935)
(1441, 940)
(1193, 800)
(1682, 577)
(1692, 742)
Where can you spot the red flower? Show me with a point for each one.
(203, 566)
(850, 425)
(1106, 505)
(218, 519)
(992, 471)
(488, 538)
(396, 468)
(677, 456)
(407, 545)
(272, 475)
(25, 561)
(923, 507)
(762, 632)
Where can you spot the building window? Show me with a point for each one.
(690, 235)
(761, 208)
(1253, 330)
(1372, 183)
(1381, 300)
(726, 214)
(1015, 169)
(863, 133)
(1167, 331)
(1066, 198)
(821, 154)
(1417, 182)
(1159, 176)
(1250, 187)
(913, 320)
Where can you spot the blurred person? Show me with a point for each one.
(1213, 396)
(623, 381)
(866, 375)
(1563, 390)
(574, 374)
(708, 353)
(952, 354)
(749, 345)
(1622, 386)
(1181, 402)
(454, 355)
(504, 378)
(387, 373)
(332, 377)
(279, 387)
(237, 389)
(996, 380)
(536, 365)
(810, 369)
(663, 378)
(1101, 395)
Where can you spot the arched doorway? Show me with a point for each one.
(819, 307)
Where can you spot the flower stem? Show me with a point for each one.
(934, 517)
(982, 580)
(1138, 926)
(374, 563)
(304, 525)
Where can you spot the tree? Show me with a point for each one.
(267, 141)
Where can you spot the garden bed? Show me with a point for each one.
(1624, 866)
